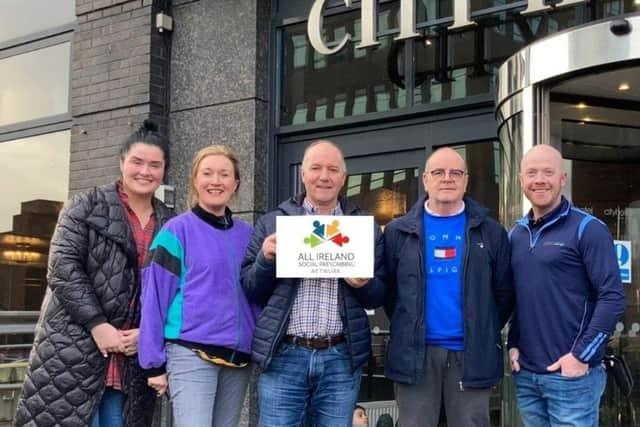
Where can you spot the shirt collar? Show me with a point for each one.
(549, 215)
(312, 210)
(223, 222)
(123, 196)
(432, 213)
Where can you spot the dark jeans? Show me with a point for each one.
(419, 404)
(317, 386)
(109, 413)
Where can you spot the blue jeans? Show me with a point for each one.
(204, 394)
(551, 400)
(314, 385)
(109, 411)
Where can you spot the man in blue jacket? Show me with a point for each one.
(568, 299)
(313, 336)
(449, 294)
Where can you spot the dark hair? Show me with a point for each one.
(147, 134)
(360, 407)
(385, 420)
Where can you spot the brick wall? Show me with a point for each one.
(118, 79)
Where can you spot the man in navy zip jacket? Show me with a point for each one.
(568, 299)
(313, 335)
(449, 293)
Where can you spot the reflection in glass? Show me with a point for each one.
(34, 176)
(385, 195)
(349, 83)
(34, 84)
(20, 18)
(429, 10)
(447, 65)
(511, 206)
(483, 167)
(456, 65)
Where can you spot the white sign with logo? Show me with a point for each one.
(623, 254)
(313, 246)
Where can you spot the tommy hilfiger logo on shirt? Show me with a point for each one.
(448, 252)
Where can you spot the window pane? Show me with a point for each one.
(354, 81)
(23, 17)
(31, 200)
(34, 84)
(385, 195)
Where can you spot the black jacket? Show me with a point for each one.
(277, 295)
(487, 296)
(92, 274)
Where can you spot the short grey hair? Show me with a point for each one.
(319, 142)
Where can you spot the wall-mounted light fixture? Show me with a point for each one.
(164, 22)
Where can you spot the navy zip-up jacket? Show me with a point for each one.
(261, 286)
(569, 295)
(487, 296)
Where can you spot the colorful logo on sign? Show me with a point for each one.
(326, 233)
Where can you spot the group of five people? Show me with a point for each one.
(116, 330)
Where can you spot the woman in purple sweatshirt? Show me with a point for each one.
(196, 327)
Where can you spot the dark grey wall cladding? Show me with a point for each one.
(232, 125)
(219, 90)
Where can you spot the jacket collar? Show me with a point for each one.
(108, 217)
(559, 212)
(293, 206)
(412, 221)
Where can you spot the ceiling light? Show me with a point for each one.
(586, 119)
(581, 106)
(624, 86)
(428, 42)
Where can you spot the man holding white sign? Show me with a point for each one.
(313, 336)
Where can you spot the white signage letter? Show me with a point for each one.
(314, 29)
(407, 20)
(460, 15)
(369, 14)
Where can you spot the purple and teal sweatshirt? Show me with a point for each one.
(191, 290)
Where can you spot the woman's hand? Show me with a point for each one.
(159, 383)
(107, 338)
(130, 341)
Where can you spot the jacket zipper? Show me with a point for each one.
(465, 269)
(345, 321)
(421, 301)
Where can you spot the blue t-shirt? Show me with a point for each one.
(444, 244)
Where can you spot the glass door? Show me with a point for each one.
(594, 119)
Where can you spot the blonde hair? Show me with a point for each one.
(211, 150)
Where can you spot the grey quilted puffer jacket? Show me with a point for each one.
(92, 276)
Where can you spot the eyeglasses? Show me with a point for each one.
(453, 173)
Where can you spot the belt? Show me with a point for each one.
(316, 343)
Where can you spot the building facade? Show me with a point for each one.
(387, 80)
